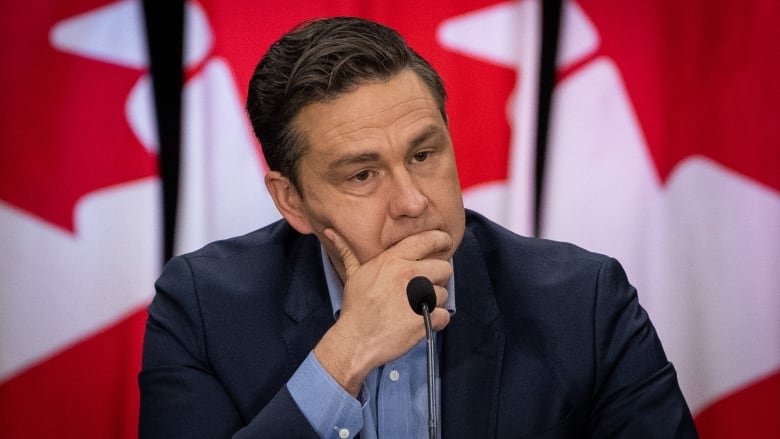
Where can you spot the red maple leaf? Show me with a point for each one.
(64, 130)
(702, 76)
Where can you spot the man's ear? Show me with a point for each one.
(288, 201)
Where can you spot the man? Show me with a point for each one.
(303, 328)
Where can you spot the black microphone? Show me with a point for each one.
(422, 299)
(420, 292)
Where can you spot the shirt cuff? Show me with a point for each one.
(330, 409)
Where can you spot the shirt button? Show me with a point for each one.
(343, 433)
(394, 375)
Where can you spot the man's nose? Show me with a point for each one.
(407, 198)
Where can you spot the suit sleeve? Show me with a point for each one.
(181, 396)
(636, 390)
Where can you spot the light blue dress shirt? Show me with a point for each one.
(393, 401)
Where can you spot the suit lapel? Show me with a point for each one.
(307, 302)
(472, 350)
(479, 344)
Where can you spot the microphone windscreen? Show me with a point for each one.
(419, 290)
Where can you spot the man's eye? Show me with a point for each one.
(421, 156)
(362, 175)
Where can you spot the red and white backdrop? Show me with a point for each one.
(79, 207)
(665, 152)
(661, 152)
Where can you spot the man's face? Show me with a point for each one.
(379, 167)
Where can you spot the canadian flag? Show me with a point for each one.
(661, 152)
(79, 216)
(664, 151)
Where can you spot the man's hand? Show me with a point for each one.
(376, 324)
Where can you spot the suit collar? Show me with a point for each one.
(471, 276)
(306, 301)
(472, 350)
(479, 341)
(307, 291)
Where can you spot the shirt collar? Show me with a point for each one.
(336, 289)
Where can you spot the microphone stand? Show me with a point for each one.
(422, 299)
(429, 341)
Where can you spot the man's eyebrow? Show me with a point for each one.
(353, 159)
(431, 131)
(423, 136)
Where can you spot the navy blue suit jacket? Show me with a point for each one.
(548, 341)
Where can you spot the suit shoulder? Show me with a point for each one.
(501, 246)
(260, 258)
(277, 237)
(531, 275)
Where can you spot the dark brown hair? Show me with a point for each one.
(318, 61)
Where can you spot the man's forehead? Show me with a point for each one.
(362, 98)
(402, 108)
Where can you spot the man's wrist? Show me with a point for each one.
(324, 402)
(341, 358)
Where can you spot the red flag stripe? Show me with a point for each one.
(751, 412)
(88, 390)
